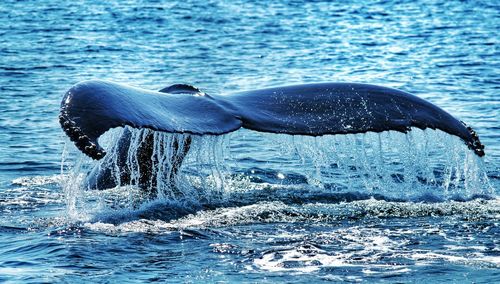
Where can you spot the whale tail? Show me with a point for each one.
(91, 108)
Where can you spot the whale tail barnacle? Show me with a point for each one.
(83, 142)
(474, 143)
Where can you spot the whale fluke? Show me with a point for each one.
(90, 108)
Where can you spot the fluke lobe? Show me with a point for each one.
(90, 108)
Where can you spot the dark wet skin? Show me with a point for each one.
(104, 177)
(91, 108)
(100, 178)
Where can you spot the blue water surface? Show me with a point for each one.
(270, 208)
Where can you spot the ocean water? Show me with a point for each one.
(252, 207)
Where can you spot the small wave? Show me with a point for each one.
(161, 218)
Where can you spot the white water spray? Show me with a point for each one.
(390, 164)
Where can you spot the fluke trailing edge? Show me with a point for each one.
(90, 108)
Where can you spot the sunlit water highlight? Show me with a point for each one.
(252, 207)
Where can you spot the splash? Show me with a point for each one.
(202, 176)
(246, 167)
(392, 164)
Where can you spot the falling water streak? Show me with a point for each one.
(342, 162)
(329, 160)
(310, 158)
(220, 154)
(64, 156)
(410, 171)
(114, 161)
(73, 191)
(357, 165)
(366, 148)
(296, 145)
(392, 160)
(427, 174)
(379, 164)
(159, 163)
(361, 147)
(66, 184)
(393, 164)
(455, 162)
(447, 172)
(388, 175)
(132, 161)
(483, 177)
(199, 166)
(216, 174)
(162, 163)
